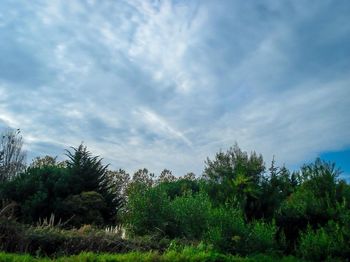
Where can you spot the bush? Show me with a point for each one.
(324, 243)
(262, 237)
(52, 241)
(12, 237)
(180, 187)
(299, 210)
(191, 215)
(227, 230)
(86, 207)
(148, 211)
(38, 192)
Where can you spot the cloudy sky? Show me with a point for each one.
(164, 84)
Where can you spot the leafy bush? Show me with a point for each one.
(262, 237)
(86, 207)
(148, 211)
(12, 236)
(227, 230)
(314, 201)
(191, 215)
(180, 187)
(38, 192)
(324, 243)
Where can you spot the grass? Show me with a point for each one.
(170, 256)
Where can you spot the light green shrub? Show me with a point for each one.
(191, 215)
(324, 243)
(262, 237)
(227, 230)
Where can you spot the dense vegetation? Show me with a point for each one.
(188, 254)
(237, 208)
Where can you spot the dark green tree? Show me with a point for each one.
(314, 202)
(235, 177)
(89, 174)
(39, 192)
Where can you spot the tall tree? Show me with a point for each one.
(88, 174)
(235, 177)
(12, 157)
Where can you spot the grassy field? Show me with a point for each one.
(171, 256)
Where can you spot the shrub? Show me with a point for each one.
(12, 237)
(227, 230)
(191, 215)
(86, 207)
(262, 237)
(52, 241)
(38, 192)
(325, 242)
(180, 187)
(148, 211)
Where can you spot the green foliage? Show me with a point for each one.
(87, 171)
(180, 187)
(235, 161)
(38, 192)
(235, 208)
(327, 242)
(262, 237)
(48, 187)
(187, 254)
(85, 208)
(89, 174)
(191, 214)
(277, 186)
(148, 211)
(315, 201)
(234, 177)
(11, 236)
(47, 161)
(53, 241)
(227, 230)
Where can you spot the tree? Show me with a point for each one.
(89, 174)
(315, 201)
(166, 176)
(88, 208)
(40, 162)
(12, 157)
(141, 180)
(235, 177)
(38, 192)
(148, 211)
(119, 180)
(276, 186)
(227, 165)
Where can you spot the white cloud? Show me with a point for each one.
(166, 84)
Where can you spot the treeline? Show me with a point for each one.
(237, 206)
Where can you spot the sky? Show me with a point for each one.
(166, 84)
